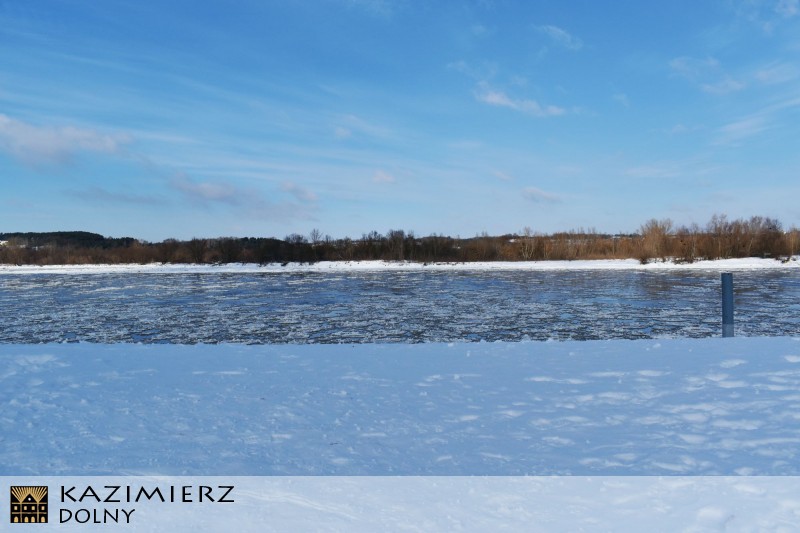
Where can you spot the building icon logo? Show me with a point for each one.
(28, 505)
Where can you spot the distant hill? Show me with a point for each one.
(78, 239)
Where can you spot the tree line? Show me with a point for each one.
(656, 240)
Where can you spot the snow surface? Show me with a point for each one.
(666, 407)
(670, 408)
(751, 263)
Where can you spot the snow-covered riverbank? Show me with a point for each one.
(651, 407)
(751, 263)
(607, 414)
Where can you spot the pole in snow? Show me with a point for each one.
(727, 304)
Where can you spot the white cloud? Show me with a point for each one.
(707, 74)
(466, 144)
(775, 73)
(735, 132)
(300, 193)
(248, 203)
(723, 86)
(622, 98)
(101, 194)
(561, 37)
(342, 133)
(478, 30)
(483, 92)
(53, 145)
(787, 8)
(693, 68)
(669, 169)
(756, 123)
(206, 192)
(383, 177)
(531, 107)
(656, 171)
(502, 176)
(353, 125)
(482, 72)
(680, 129)
(536, 195)
(519, 81)
(767, 14)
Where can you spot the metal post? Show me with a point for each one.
(727, 304)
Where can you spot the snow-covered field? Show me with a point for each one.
(666, 407)
(672, 407)
(751, 263)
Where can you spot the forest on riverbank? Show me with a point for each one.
(720, 238)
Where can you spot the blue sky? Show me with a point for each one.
(263, 118)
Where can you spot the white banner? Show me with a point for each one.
(369, 504)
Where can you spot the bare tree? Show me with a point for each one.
(655, 238)
(197, 250)
(167, 250)
(526, 244)
(229, 249)
(791, 241)
(688, 242)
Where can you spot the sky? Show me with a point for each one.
(184, 119)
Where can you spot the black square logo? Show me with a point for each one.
(28, 505)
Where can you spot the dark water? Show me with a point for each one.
(389, 306)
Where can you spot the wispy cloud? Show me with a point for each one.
(483, 71)
(536, 195)
(479, 30)
(342, 133)
(723, 86)
(734, 132)
(622, 98)
(655, 171)
(680, 129)
(693, 68)
(502, 176)
(777, 72)
(756, 123)
(352, 125)
(383, 177)
(300, 193)
(787, 8)
(669, 169)
(707, 74)
(767, 14)
(486, 94)
(38, 145)
(560, 37)
(103, 195)
(207, 192)
(531, 107)
(247, 203)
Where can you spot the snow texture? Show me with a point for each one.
(645, 407)
(750, 263)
